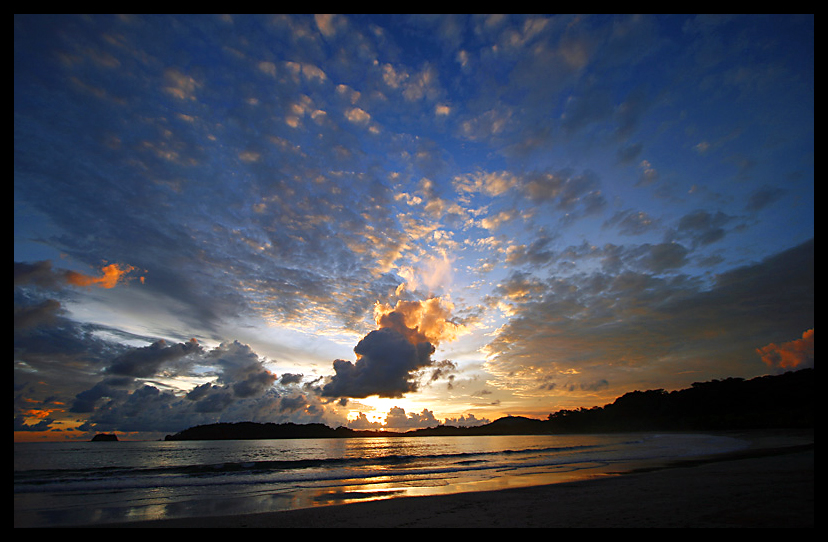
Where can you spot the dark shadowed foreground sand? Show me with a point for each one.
(768, 485)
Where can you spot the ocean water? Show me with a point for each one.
(81, 483)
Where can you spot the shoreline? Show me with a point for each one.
(769, 484)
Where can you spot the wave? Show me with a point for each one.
(313, 469)
(364, 466)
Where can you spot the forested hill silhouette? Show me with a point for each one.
(782, 401)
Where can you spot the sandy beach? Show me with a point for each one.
(769, 485)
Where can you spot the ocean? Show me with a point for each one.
(82, 483)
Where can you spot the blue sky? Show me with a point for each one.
(398, 221)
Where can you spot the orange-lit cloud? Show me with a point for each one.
(790, 355)
(36, 413)
(391, 358)
(112, 274)
(419, 321)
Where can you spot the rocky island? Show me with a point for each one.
(105, 437)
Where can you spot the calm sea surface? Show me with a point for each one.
(61, 484)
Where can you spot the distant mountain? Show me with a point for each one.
(251, 430)
(781, 401)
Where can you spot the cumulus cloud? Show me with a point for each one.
(363, 423)
(145, 361)
(112, 388)
(384, 366)
(795, 354)
(469, 420)
(389, 359)
(429, 320)
(398, 420)
(240, 389)
(241, 368)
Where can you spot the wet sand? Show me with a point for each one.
(769, 485)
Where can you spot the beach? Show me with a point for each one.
(771, 484)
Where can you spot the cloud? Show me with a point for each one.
(629, 222)
(702, 227)
(357, 115)
(795, 354)
(180, 85)
(240, 374)
(240, 388)
(523, 125)
(537, 253)
(466, 421)
(489, 183)
(390, 358)
(764, 197)
(42, 274)
(384, 366)
(398, 420)
(38, 274)
(429, 320)
(145, 361)
(565, 190)
(290, 378)
(329, 24)
(241, 368)
(44, 312)
(579, 330)
(112, 388)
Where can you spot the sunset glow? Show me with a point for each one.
(395, 222)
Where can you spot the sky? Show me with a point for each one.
(393, 222)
